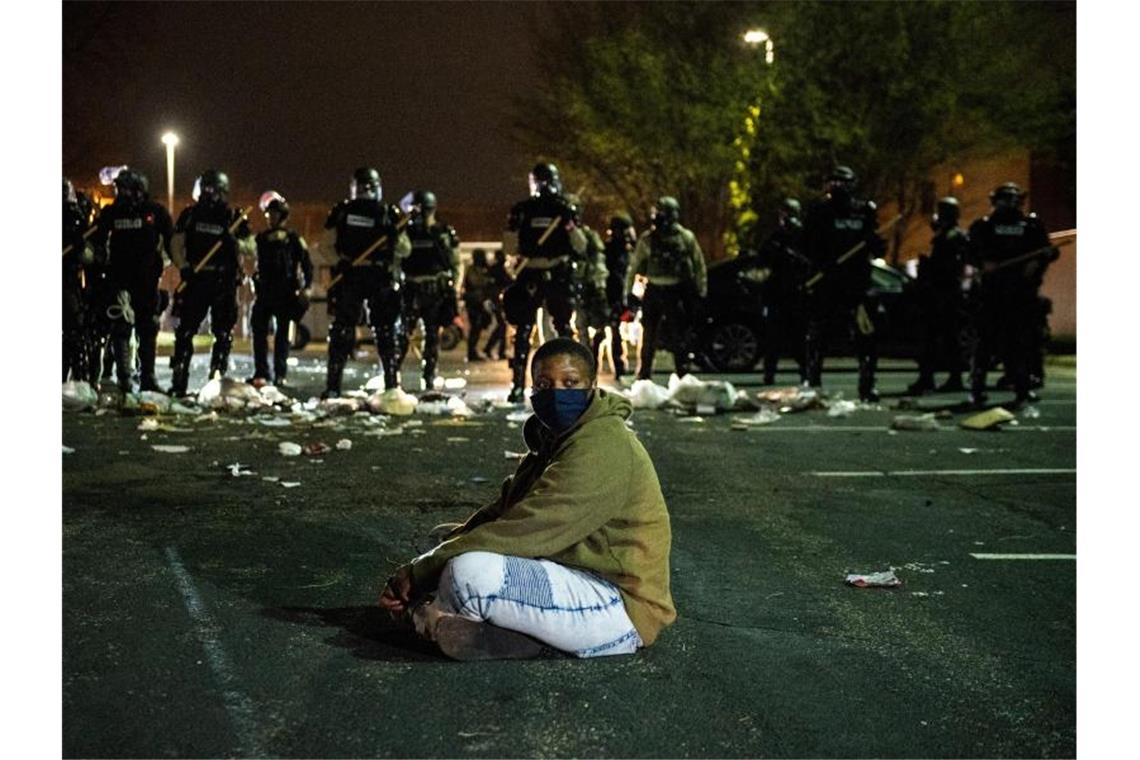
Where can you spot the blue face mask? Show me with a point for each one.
(559, 408)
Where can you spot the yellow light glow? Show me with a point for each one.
(170, 139)
(755, 36)
(959, 180)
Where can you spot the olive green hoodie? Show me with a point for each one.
(588, 498)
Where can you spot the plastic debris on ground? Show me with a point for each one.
(521, 416)
(454, 383)
(237, 469)
(153, 402)
(271, 478)
(344, 444)
(79, 396)
(68, 450)
(289, 449)
(346, 405)
(150, 423)
(177, 407)
(915, 422)
(884, 579)
(514, 455)
(375, 383)
(646, 394)
(169, 449)
(841, 408)
(763, 417)
(443, 404)
(273, 421)
(987, 420)
(792, 399)
(290, 484)
(968, 451)
(393, 401)
(691, 391)
(315, 448)
(1030, 413)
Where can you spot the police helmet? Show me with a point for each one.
(947, 213)
(479, 257)
(365, 184)
(1007, 195)
(544, 179)
(131, 185)
(620, 221)
(841, 181)
(212, 186)
(790, 208)
(271, 200)
(666, 212)
(425, 199)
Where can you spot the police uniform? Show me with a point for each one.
(497, 341)
(376, 280)
(784, 309)
(943, 309)
(838, 300)
(672, 260)
(1009, 307)
(546, 278)
(211, 289)
(593, 309)
(620, 240)
(283, 268)
(430, 272)
(76, 362)
(133, 234)
(479, 295)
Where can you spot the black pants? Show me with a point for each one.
(498, 336)
(827, 319)
(213, 292)
(551, 289)
(478, 320)
(942, 346)
(668, 314)
(785, 326)
(1006, 324)
(278, 306)
(376, 287)
(77, 363)
(433, 301)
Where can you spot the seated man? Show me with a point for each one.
(575, 551)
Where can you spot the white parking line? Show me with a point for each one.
(1072, 557)
(238, 705)
(884, 429)
(919, 473)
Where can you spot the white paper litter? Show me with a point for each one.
(79, 395)
(344, 444)
(169, 449)
(290, 483)
(289, 449)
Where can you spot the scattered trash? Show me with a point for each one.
(375, 383)
(781, 395)
(289, 449)
(522, 416)
(79, 396)
(177, 407)
(290, 484)
(884, 579)
(346, 405)
(645, 394)
(918, 422)
(150, 423)
(706, 409)
(237, 469)
(1030, 413)
(690, 418)
(315, 448)
(68, 450)
(271, 478)
(454, 383)
(153, 402)
(393, 401)
(344, 444)
(988, 419)
(386, 432)
(169, 449)
(763, 417)
(691, 391)
(841, 408)
(442, 404)
(457, 439)
(480, 479)
(968, 451)
(228, 393)
(514, 455)
(793, 399)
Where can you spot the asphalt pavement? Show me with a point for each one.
(208, 614)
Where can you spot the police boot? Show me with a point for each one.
(335, 372)
(180, 364)
(953, 384)
(147, 381)
(518, 380)
(924, 384)
(867, 391)
(220, 355)
(121, 347)
(427, 382)
(260, 357)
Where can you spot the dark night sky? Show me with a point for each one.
(293, 96)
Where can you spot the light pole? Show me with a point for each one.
(170, 140)
(759, 36)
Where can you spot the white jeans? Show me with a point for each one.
(569, 609)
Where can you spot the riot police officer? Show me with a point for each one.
(430, 274)
(784, 315)
(620, 241)
(942, 302)
(210, 238)
(370, 244)
(496, 345)
(840, 238)
(134, 233)
(590, 276)
(1009, 248)
(282, 282)
(479, 294)
(543, 232)
(671, 258)
(77, 256)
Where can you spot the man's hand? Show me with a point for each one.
(397, 594)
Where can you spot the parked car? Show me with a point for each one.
(732, 337)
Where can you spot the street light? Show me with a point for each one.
(756, 37)
(170, 140)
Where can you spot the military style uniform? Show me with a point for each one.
(943, 303)
(542, 231)
(839, 299)
(1010, 308)
(430, 272)
(479, 295)
(671, 258)
(593, 308)
(375, 281)
(620, 241)
(284, 271)
(785, 315)
(134, 233)
(76, 359)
